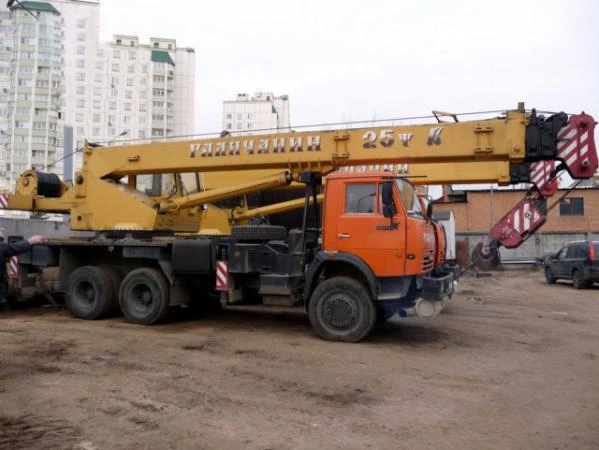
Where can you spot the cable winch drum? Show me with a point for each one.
(48, 185)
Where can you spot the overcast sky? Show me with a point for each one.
(352, 60)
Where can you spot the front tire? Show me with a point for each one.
(90, 293)
(341, 309)
(145, 296)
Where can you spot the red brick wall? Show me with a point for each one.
(474, 215)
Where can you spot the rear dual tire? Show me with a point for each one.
(145, 296)
(91, 293)
(95, 292)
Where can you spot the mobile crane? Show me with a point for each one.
(161, 241)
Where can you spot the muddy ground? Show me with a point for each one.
(512, 363)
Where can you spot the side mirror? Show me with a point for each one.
(387, 198)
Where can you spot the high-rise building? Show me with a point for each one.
(55, 72)
(137, 91)
(252, 115)
(30, 79)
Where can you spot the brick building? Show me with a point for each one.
(574, 217)
(477, 211)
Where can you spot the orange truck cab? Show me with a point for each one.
(377, 254)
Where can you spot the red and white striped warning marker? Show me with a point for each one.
(3, 201)
(222, 273)
(13, 267)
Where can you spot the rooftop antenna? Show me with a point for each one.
(10, 3)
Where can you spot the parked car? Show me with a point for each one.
(576, 261)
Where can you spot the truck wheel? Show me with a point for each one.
(90, 293)
(549, 276)
(258, 233)
(577, 280)
(116, 280)
(145, 296)
(341, 309)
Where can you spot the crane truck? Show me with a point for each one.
(161, 241)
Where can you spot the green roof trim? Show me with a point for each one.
(160, 56)
(36, 6)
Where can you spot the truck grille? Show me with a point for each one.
(427, 263)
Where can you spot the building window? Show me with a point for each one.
(81, 50)
(131, 68)
(81, 23)
(229, 126)
(573, 206)
(360, 198)
(132, 54)
(79, 117)
(141, 134)
(112, 105)
(80, 103)
(229, 116)
(115, 67)
(129, 94)
(97, 118)
(80, 63)
(81, 36)
(80, 90)
(81, 76)
(127, 106)
(97, 91)
(129, 82)
(80, 131)
(116, 53)
(143, 107)
(96, 132)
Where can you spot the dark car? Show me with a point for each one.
(576, 261)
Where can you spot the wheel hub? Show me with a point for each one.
(339, 311)
(142, 298)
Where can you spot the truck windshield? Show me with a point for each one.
(409, 197)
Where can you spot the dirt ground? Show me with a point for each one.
(512, 363)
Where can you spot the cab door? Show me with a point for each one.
(361, 229)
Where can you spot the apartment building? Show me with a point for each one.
(30, 79)
(253, 115)
(54, 72)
